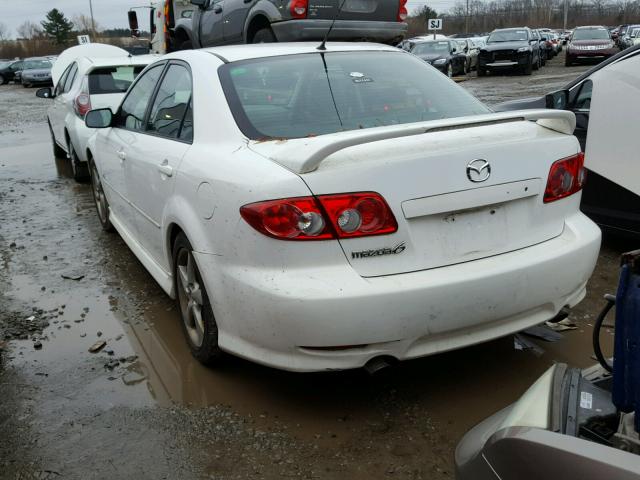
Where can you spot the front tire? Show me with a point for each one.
(264, 35)
(450, 70)
(79, 168)
(482, 72)
(2, 80)
(100, 199)
(528, 69)
(198, 323)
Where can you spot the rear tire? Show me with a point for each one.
(264, 35)
(100, 199)
(567, 62)
(198, 323)
(58, 152)
(80, 169)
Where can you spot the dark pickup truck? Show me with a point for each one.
(222, 22)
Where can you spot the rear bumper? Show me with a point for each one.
(308, 29)
(79, 134)
(36, 81)
(270, 316)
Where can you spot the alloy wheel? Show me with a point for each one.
(190, 297)
(98, 195)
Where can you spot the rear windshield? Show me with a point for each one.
(508, 36)
(591, 34)
(113, 79)
(314, 94)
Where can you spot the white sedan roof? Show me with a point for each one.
(234, 53)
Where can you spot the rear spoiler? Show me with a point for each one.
(306, 154)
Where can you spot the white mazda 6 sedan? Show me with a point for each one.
(319, 209)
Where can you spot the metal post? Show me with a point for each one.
(93, 23)
(466, 19)
(566, 13)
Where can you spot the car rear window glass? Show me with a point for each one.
(113, 79)
(304, 95)
(508, 36)
(591, 34)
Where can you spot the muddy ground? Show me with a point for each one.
(143, 408)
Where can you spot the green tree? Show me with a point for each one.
(57, 26)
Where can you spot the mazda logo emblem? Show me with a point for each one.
(478, 170)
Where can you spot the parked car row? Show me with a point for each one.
(29, 72)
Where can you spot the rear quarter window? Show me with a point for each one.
(107, 80)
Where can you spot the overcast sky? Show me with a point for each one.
(111, 13)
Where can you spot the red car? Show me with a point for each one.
(590, 43)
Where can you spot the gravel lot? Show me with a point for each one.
(143, 408)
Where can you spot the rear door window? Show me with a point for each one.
(171, 102)
(134, 107)
(106, 80)
(70, 78)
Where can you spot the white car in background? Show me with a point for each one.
(86, 82)
(319, 209)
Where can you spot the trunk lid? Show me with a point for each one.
(372, 10)
(443, 217)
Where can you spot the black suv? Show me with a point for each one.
(510, 49)
(8, 71)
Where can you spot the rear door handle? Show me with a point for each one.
(122, 155)
(165, 168)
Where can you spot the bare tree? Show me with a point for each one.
(84, 26)
(4, 32)
(29, 30)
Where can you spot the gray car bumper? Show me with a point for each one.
(309, 30)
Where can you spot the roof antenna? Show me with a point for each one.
(322, 46)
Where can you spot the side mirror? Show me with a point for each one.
(133, 23)
(558, 100)
(99, 118)
(200, 3)
(44, 92)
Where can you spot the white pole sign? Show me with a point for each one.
(434, 24)
(83, 39)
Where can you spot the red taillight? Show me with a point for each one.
(566, 177)
(323, 217)
(402, 11)
(82, 104)
(298, 8)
